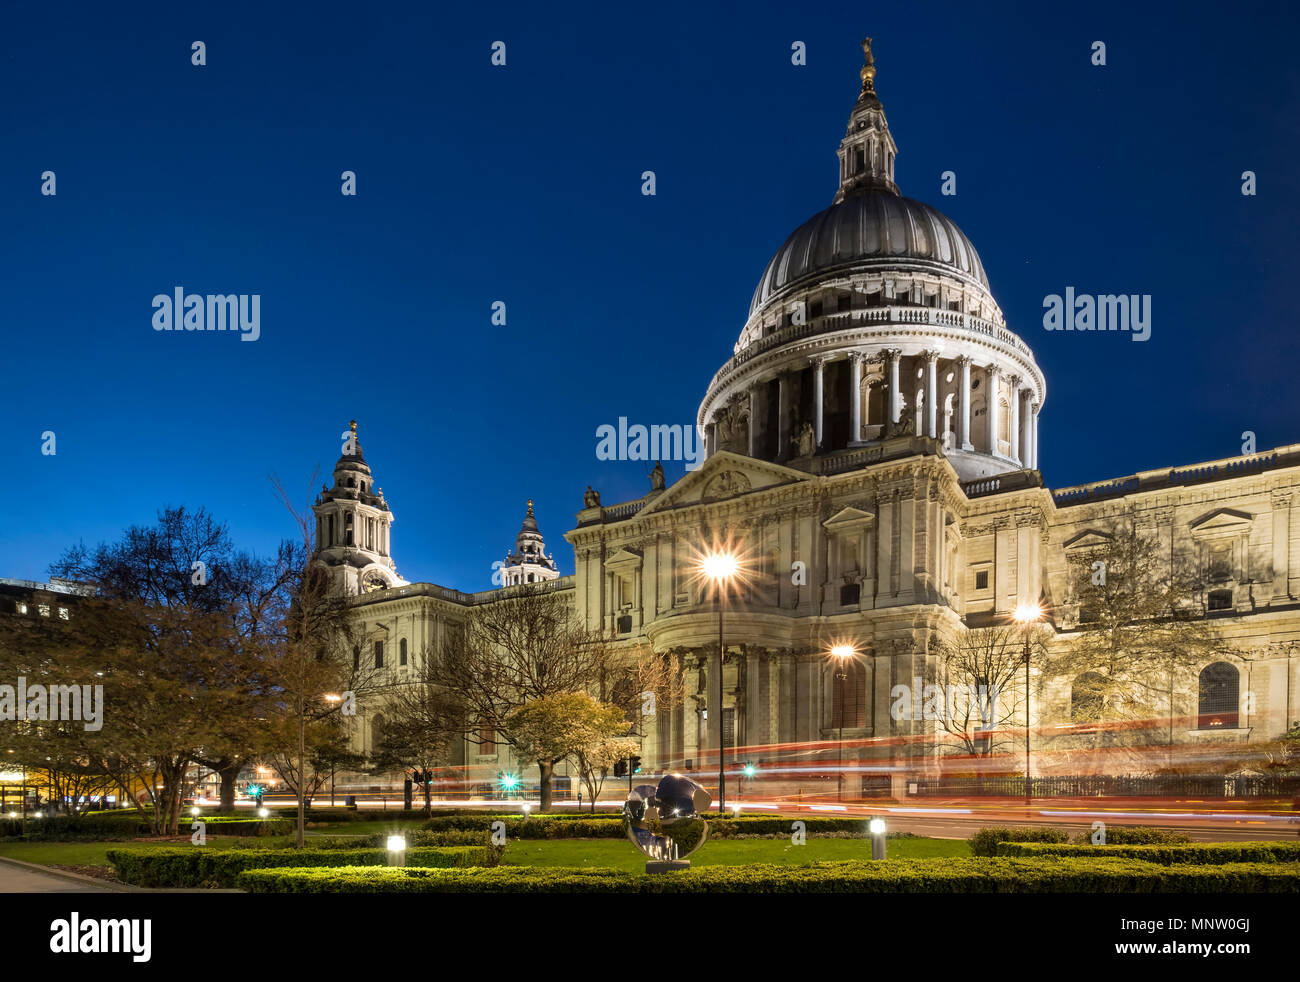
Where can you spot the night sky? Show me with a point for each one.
(523, 184)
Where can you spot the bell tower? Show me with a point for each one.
(353, 524)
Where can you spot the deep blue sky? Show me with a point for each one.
(522, 184)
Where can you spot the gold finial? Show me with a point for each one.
(353, 425)
(530, 506)
(868, 72)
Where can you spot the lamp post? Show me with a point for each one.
(1027, 615)
(841, 652)
(720, 567)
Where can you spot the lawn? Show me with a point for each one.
(620, 854)
(617, 853)
(96, 853)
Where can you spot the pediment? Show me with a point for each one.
(724, 475)
(1089, 539)
(847, 519)
(624, 557)
(1222, 521)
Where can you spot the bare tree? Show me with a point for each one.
(511, 652)
(1141, 627)
(983, 688)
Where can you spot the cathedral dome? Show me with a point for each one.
(871, 227)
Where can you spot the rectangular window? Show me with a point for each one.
(487, 742)
(44, 609)
(356, 658)
(982, 580)
(728, 727)
(401, 651)
(63, 613)
(850, 593)
(379, 654)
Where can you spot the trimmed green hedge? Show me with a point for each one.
(125, 823)
(985, 841)
(1007, 875)
(238, 825)
(1203, 853)
(196, 866)
(1135, 835)
(416, 838)
(573, 827)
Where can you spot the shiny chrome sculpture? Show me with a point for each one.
(665, 821)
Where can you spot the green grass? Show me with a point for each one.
(621, 854)
(367, 828)
(616, 853)
(96, 853)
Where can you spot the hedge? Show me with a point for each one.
(1004, 875)
(416, 838)
(572, 827)
(199, 867)
(1135, 835)
(128, 823)
(985, 841)
(1203, 853)
(238, 825)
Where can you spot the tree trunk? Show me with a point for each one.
(229, 776)
(301, 839)
(545, 767)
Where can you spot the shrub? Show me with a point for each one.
(125, 823)
(419, 837)
(199, 867)
(1006, 875)
(1203, 853)
(985, 841)
(238, 825)
(1134, 835)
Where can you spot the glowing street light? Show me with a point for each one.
(263, 812)
(841, 653)
(720, 567)
(1027, 615)
(397, 850)
(877, 829)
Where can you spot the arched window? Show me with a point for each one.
(1087, 697)
(1220, 693)
(848, 695)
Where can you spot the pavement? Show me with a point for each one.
(19, 877)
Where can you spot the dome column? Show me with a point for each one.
(855, 400)
(1033, 434)
(1013, 427)
(963, 425)
(994, 373)
(783, 416)
(753, 420)
(931, 393)
(894, 357)
(819, 389)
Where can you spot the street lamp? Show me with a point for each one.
(396, 850)
(841, 652)
(720, 567)
(1027, 615)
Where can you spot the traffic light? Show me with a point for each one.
(636, 764)
(620, 768)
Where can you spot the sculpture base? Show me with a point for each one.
(667, 865)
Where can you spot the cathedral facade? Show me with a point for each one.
(872, 453)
